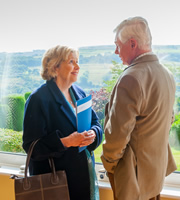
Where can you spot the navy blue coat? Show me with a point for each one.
(49, 117)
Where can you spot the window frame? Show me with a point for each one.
(15, 161)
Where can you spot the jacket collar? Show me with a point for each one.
(145, 58)
(58, 95)
(60, 99)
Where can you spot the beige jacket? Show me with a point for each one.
(137, 123)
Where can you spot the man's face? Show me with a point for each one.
(124, 51)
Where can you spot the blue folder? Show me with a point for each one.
(84, 115)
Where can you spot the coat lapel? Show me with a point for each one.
(76, 93)
(60, 99)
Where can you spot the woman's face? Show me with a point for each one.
(69, 69)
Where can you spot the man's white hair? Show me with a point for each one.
(137, 28)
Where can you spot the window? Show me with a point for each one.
(28, 28)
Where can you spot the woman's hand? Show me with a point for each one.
(89, 138)
(79, 139)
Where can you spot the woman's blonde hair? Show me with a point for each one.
(52, 59)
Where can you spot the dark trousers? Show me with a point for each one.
(111, 180)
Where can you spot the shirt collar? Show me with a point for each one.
(144, 54)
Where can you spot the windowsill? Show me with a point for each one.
(11, 163)
(11, 170)
(170, 192)
(171, 187)
(167, 192)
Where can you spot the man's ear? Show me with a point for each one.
(133, 43)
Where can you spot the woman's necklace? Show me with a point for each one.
(68, 97)
(71, 102)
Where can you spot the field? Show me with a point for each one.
(176, 154)
(97, 154)
(97, 73)
(95, 50)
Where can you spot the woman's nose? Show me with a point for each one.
(77, 66)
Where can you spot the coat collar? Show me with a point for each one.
(60, 99)
(145, 58)
(58, 95)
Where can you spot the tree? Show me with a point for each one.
(116, 70)
(16, 106)
(99, 100)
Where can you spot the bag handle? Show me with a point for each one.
(54, 178)
(29, 157)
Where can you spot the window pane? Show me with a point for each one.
(30, 28)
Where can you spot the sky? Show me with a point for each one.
(27, 25)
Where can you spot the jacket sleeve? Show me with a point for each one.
(35, 127)
(120, 120)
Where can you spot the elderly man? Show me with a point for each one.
(136, 152)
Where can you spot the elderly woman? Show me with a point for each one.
(50, 117)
